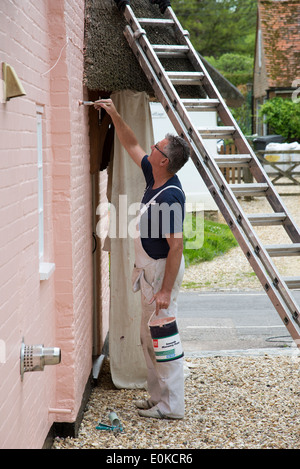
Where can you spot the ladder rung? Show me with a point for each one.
(232, 161)
(185, 78)
(249, 189)
(216, 132)
(155, 21)
(265, 219)
(165, 51)
(284, 250)
(200, 104)
(292, 282)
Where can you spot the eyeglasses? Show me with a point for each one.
(155, 146)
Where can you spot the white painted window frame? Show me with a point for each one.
(46, 269)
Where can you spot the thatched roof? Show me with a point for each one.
(110, 64)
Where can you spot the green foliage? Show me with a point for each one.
(237, 68)
(230, 63)
(218, 27)
(216, 238)
(243, 116)
(283, 117)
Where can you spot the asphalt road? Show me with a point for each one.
(239, 321)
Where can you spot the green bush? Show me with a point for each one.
(243, 116)
(236, 68)
(283, 117)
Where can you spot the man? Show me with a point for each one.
(159, 263)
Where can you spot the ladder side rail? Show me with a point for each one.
(242, 144)
(272, 281)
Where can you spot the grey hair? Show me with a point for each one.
(178, 152)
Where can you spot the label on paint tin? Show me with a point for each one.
(167, 348)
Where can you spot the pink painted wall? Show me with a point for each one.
(58, 311)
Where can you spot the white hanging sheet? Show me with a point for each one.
(128, 368)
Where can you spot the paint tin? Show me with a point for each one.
(165, 339)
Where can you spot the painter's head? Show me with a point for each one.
(178, 152)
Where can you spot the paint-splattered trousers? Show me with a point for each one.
(165, 380)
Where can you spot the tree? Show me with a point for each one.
(283, 117)
(218, 27)
(237, 68)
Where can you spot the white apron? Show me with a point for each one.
(166, 379)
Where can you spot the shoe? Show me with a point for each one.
(155, 413)
(143, 404)
(152, 413)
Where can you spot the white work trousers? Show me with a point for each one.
(165, 380)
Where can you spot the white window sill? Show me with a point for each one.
(46, 270)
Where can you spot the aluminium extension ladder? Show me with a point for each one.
(225, 195)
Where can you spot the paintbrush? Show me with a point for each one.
(85, 103)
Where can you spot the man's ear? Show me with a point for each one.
(164, 162)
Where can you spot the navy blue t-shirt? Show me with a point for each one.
(164, 215)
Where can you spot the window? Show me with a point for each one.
(46, 268)
(40, 180)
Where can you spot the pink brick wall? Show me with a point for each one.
(81, 202)
(57, 311)
(26, 307)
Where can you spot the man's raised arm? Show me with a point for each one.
(124, 132)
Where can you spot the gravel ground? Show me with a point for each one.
(231, 402)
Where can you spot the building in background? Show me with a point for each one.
(277, 60)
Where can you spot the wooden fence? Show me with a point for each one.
(235, 175)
